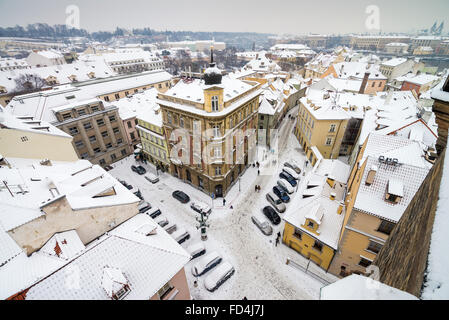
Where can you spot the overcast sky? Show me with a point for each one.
(271, 16)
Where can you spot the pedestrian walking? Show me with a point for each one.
(277, 242)
(231, 207)
(258, 172)
(257, 164)
(224, 202)
(255, 188)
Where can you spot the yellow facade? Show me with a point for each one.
(359, 229)
(153, 143)
(305, 245)
(16, 143)
(326, 135)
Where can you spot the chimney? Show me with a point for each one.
(364, 83)
(332, 196)
(340, 207)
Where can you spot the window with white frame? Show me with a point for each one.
(217, 171)
(328, 141)
(216, 130)
(214, 103)
(332, 128)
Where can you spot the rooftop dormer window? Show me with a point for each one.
(214, 103)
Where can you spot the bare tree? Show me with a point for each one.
(29, 83)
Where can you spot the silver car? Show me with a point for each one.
(263, 225)
(293, 165)
(275, 202)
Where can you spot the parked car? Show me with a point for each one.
(138, 194)
(151, 177)
(275, 202)
(127, 186)
(171, 228)
(108, 168)
(281, 194)
(162, 222)
(155, 212)
(199, 206)
(181, 196)
(291, 172)
(219, 276)
(271, 214)
(289, 178)
(197, 249)
(180, 235)
(206, 263)
(263, 225)
(283, 184)
(138, 169)
(293, 165)
(144, 206)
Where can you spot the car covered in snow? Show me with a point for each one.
(206, 263)
(262, 224)
(291, 172)
(197, 249)
(281, 194)
(200, 207)
(283, 184)
(180, 235)
(170, 228)
(293, 165)
(271, 214)
(155, 212)
(219, 276)
(127, 186)
(275, 202)
(144, 206)
(151, 177)
(180, 196)
(162, 222)
(289, 178)
(138, 169)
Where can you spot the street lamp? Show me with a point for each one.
(203, 225)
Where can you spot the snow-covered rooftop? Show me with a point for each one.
(34, 185)
(357, 287)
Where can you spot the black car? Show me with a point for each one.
(281, 194)
(289, 178)
(139, 169)
(108, 168)
(181, 196)
(271, 214)
(139, 194)
(127, 186)
(157, 212)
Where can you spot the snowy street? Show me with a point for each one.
(261, 269)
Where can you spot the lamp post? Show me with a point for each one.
(203, 225)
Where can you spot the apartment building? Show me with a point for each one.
(47, 77)
(385, 177)
(151, 130)
(72, 217)
(396, 48)
(8, 64)
(396, 67)
(80, 109)
(313, 221)
(376, 42)
(215, 107)
(425, 41)
(45, 58)
(25, 137)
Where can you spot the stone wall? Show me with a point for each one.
(403, 259)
